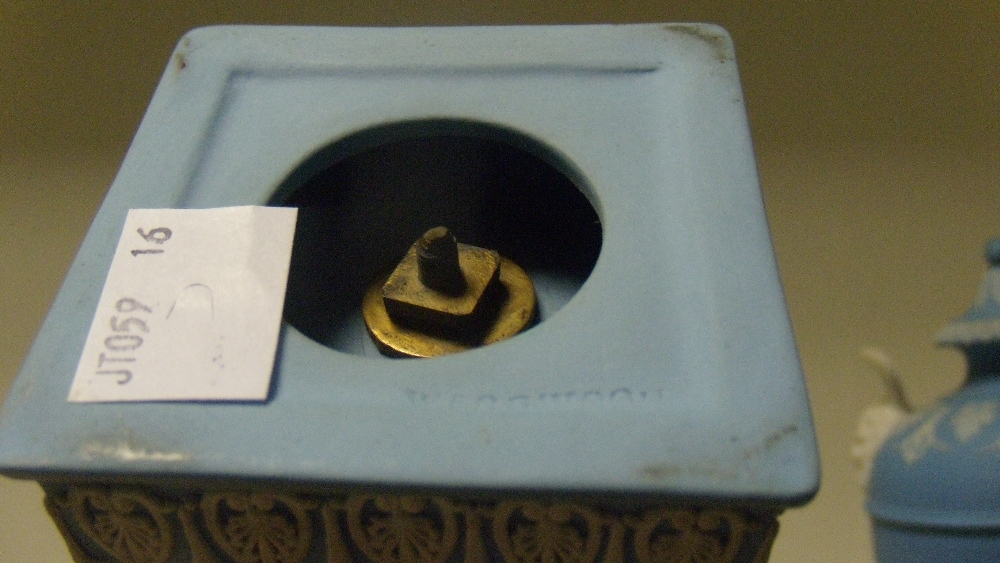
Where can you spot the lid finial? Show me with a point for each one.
(980, 324)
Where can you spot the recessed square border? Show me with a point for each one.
(743, 432)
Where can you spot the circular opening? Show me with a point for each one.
(365, 199)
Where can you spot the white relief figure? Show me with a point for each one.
(923, 438)
(993, 448)
(878, 421)
(971, 418)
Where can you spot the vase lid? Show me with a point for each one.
(981, 323)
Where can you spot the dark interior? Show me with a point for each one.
(365, 199)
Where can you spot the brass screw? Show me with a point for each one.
(445, 297)
(437, 262)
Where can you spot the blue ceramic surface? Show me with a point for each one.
(935, 489)
(672, 370)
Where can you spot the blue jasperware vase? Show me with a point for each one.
(935, 488)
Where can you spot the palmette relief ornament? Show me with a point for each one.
(402, 529)
(683, 536)
(259, 527)
(531, 532)
(130, 525)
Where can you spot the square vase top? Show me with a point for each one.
(670, 371)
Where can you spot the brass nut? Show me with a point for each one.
(445, 297)
(443, 285)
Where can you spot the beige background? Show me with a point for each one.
(876, 127)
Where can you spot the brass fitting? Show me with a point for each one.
(445, 297)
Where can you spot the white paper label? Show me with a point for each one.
(191, 308)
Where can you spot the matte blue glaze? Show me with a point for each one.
(896, 542)
(672, 371)
(935, 491)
